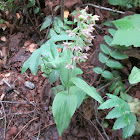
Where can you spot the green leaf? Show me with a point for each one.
(108, 39)
(122, 47)
(46, 23)
(117, 90)
(126, 97)
(64, 74)
(76, 71)
(113, 86)
(128, 31)
(134, 76)
(36, 10)
(98, 70)
(62, 38)
(119, 2)
(108, 104)
(109, 24)
(57, 29)
(53, 76)
(103, 58)
(114, 64)
(121, 122)
(1, 21)
(109, 62)
(52, 33)
(112, 31)
(121, 103)
(124, 120)
(128, 130)
(118, 55)
(115, 113)
(57, 89)
(108, 75)
(79, 93)
(64, 106)
(105, 49)
(31, 3)
(33, 62)
(66, 27)
(60, 23)
(87, 89)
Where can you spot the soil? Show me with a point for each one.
(26, 110)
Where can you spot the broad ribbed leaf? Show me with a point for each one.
(62, 38)
(108, 39)
(118, 55)
(98, 70)
(64, 74)
(134, 76)
(87, 89)
(105, 49)
(128, 32)
(64, 106)
(53, 76)
(79, 93)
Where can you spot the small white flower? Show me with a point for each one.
(66, 45)
(71, 34)
(95, 17)
(69, 66)
(87, 48)
(77, 48)
(84, 56)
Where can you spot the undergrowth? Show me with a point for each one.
(68, 46)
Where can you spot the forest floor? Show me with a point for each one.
(26, 100)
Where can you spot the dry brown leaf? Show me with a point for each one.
(59, 49)
(31, 47)
(66, 14)
(8, 24)
(3, 26)
(27, 43)
(7, 13)
(70, 3)
(18, 16)
(3, 38)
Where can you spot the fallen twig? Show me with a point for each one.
(96, 116)
(4, 135)
(24, 127)
(92, 124)
(103, 8)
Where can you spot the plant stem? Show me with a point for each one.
(62, 10)
(128, 89)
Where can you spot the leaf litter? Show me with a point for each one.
(28, 111)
